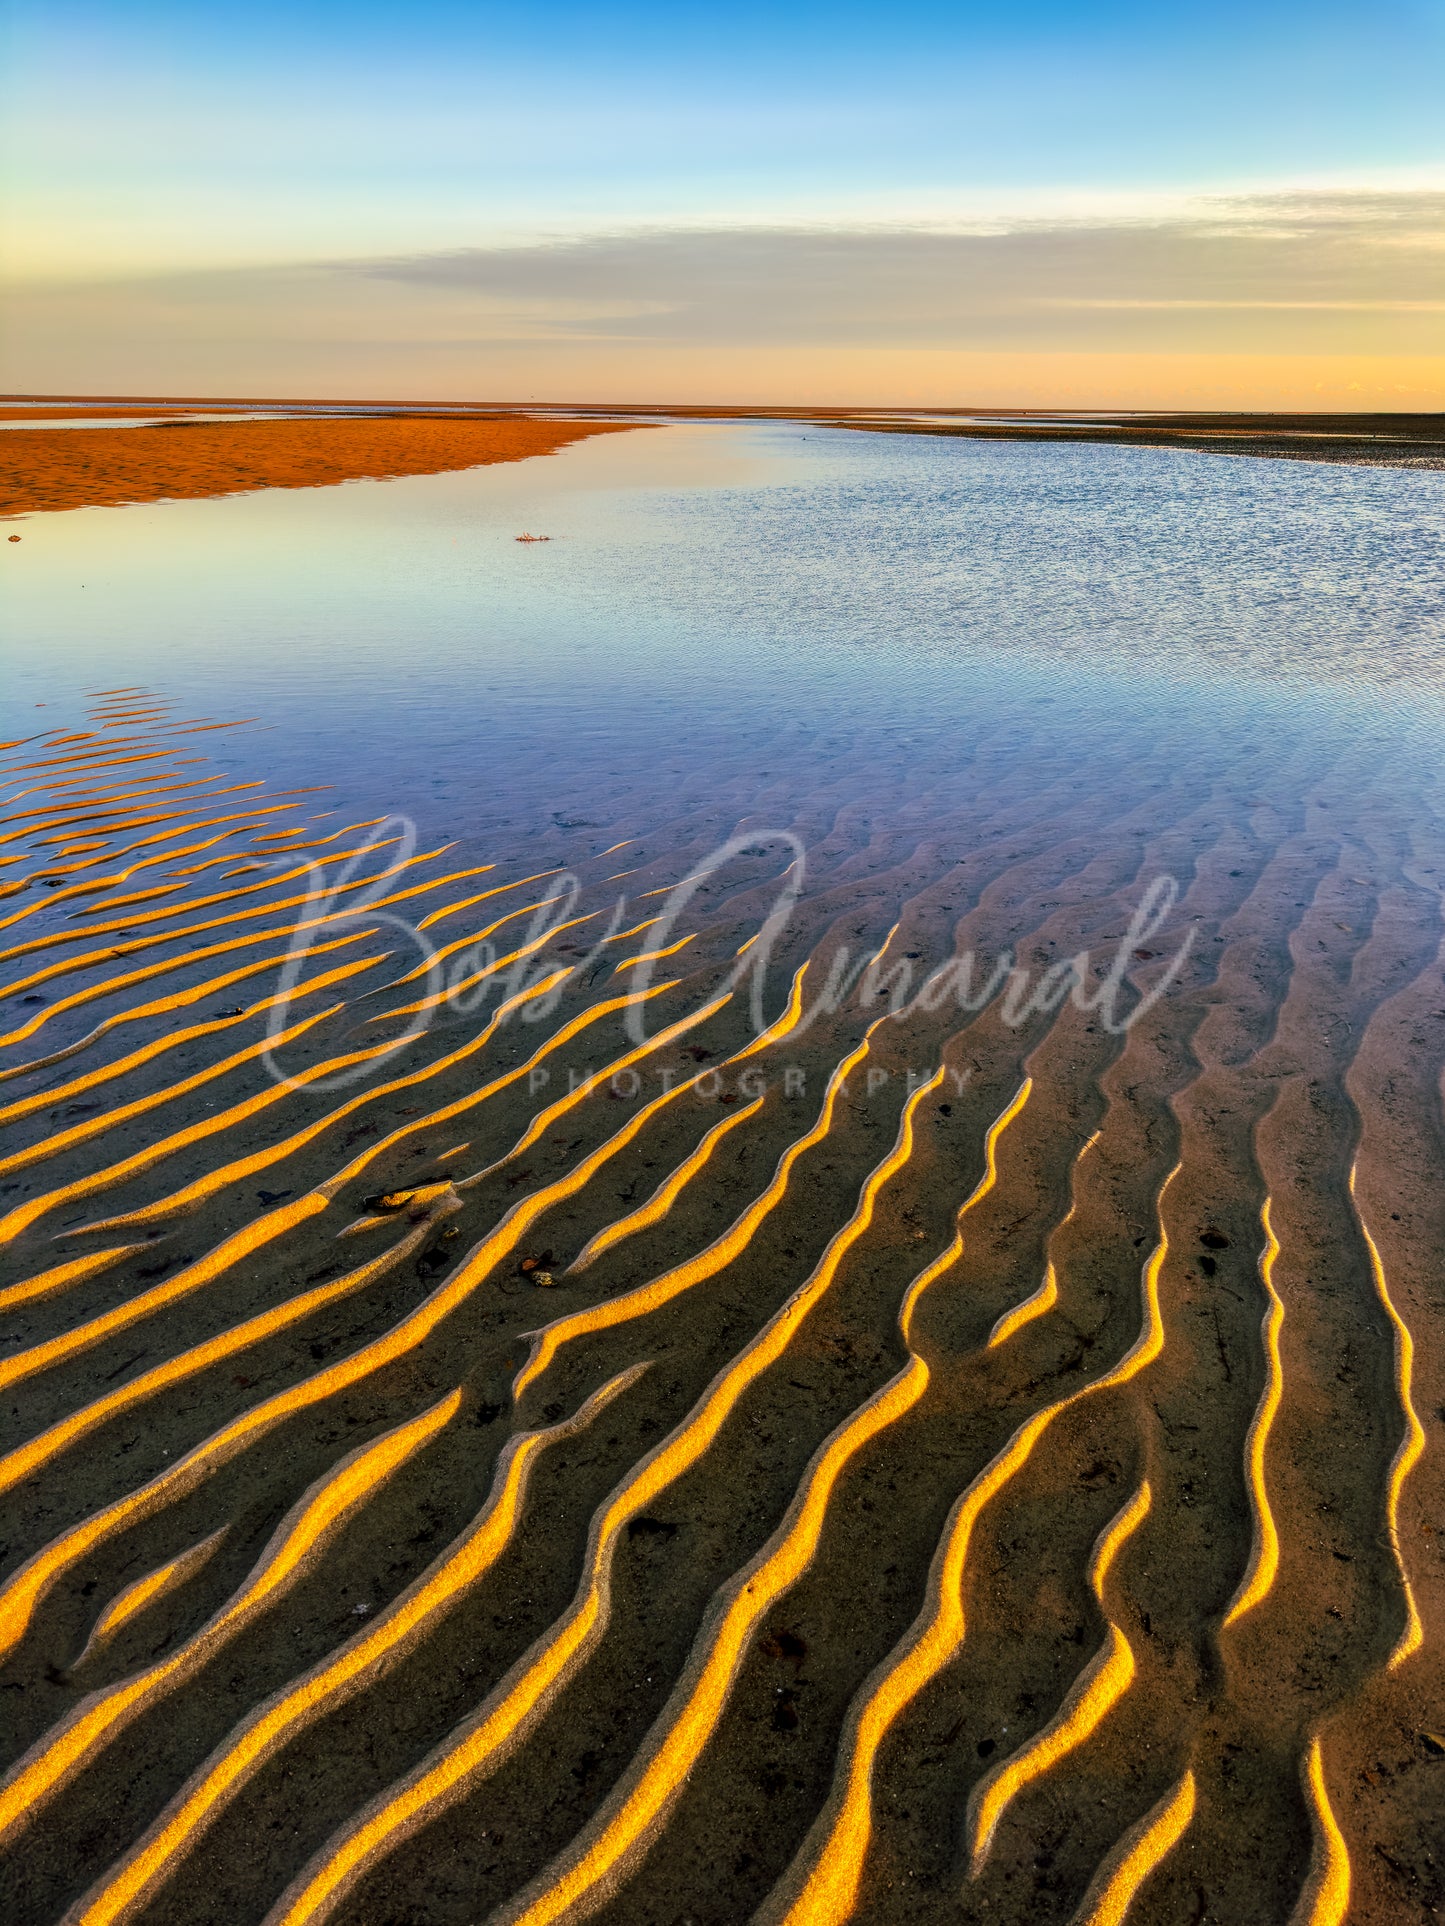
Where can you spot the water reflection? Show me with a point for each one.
(758, 596)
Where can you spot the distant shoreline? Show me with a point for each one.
(1334, 439)
(319, 443)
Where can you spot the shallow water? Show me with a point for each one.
(726, 580)
(949, 1475)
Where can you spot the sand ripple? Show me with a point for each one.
(495, 1432)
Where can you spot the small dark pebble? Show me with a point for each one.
(987, 1748)
(784, 1644)
(650, 1528)
(32, 999)
(272, 1196)
(235, 1010)
(1214, 1240)
(785, 1711)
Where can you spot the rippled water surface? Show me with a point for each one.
(706, 584)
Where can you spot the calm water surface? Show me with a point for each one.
(753, 596)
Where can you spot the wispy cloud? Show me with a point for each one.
(754, 311)
(1351, 271)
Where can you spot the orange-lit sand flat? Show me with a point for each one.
(48, 469)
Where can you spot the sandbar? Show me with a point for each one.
(58, 468)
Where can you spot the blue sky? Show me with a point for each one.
(162, 135)
(162, 140)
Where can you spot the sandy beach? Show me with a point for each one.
(722, 1150)
(47, 469)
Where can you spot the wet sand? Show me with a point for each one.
(77, 412)
(1372, 441)
(945, 1465)
(48, 469)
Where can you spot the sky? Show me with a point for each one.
(927, 205)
